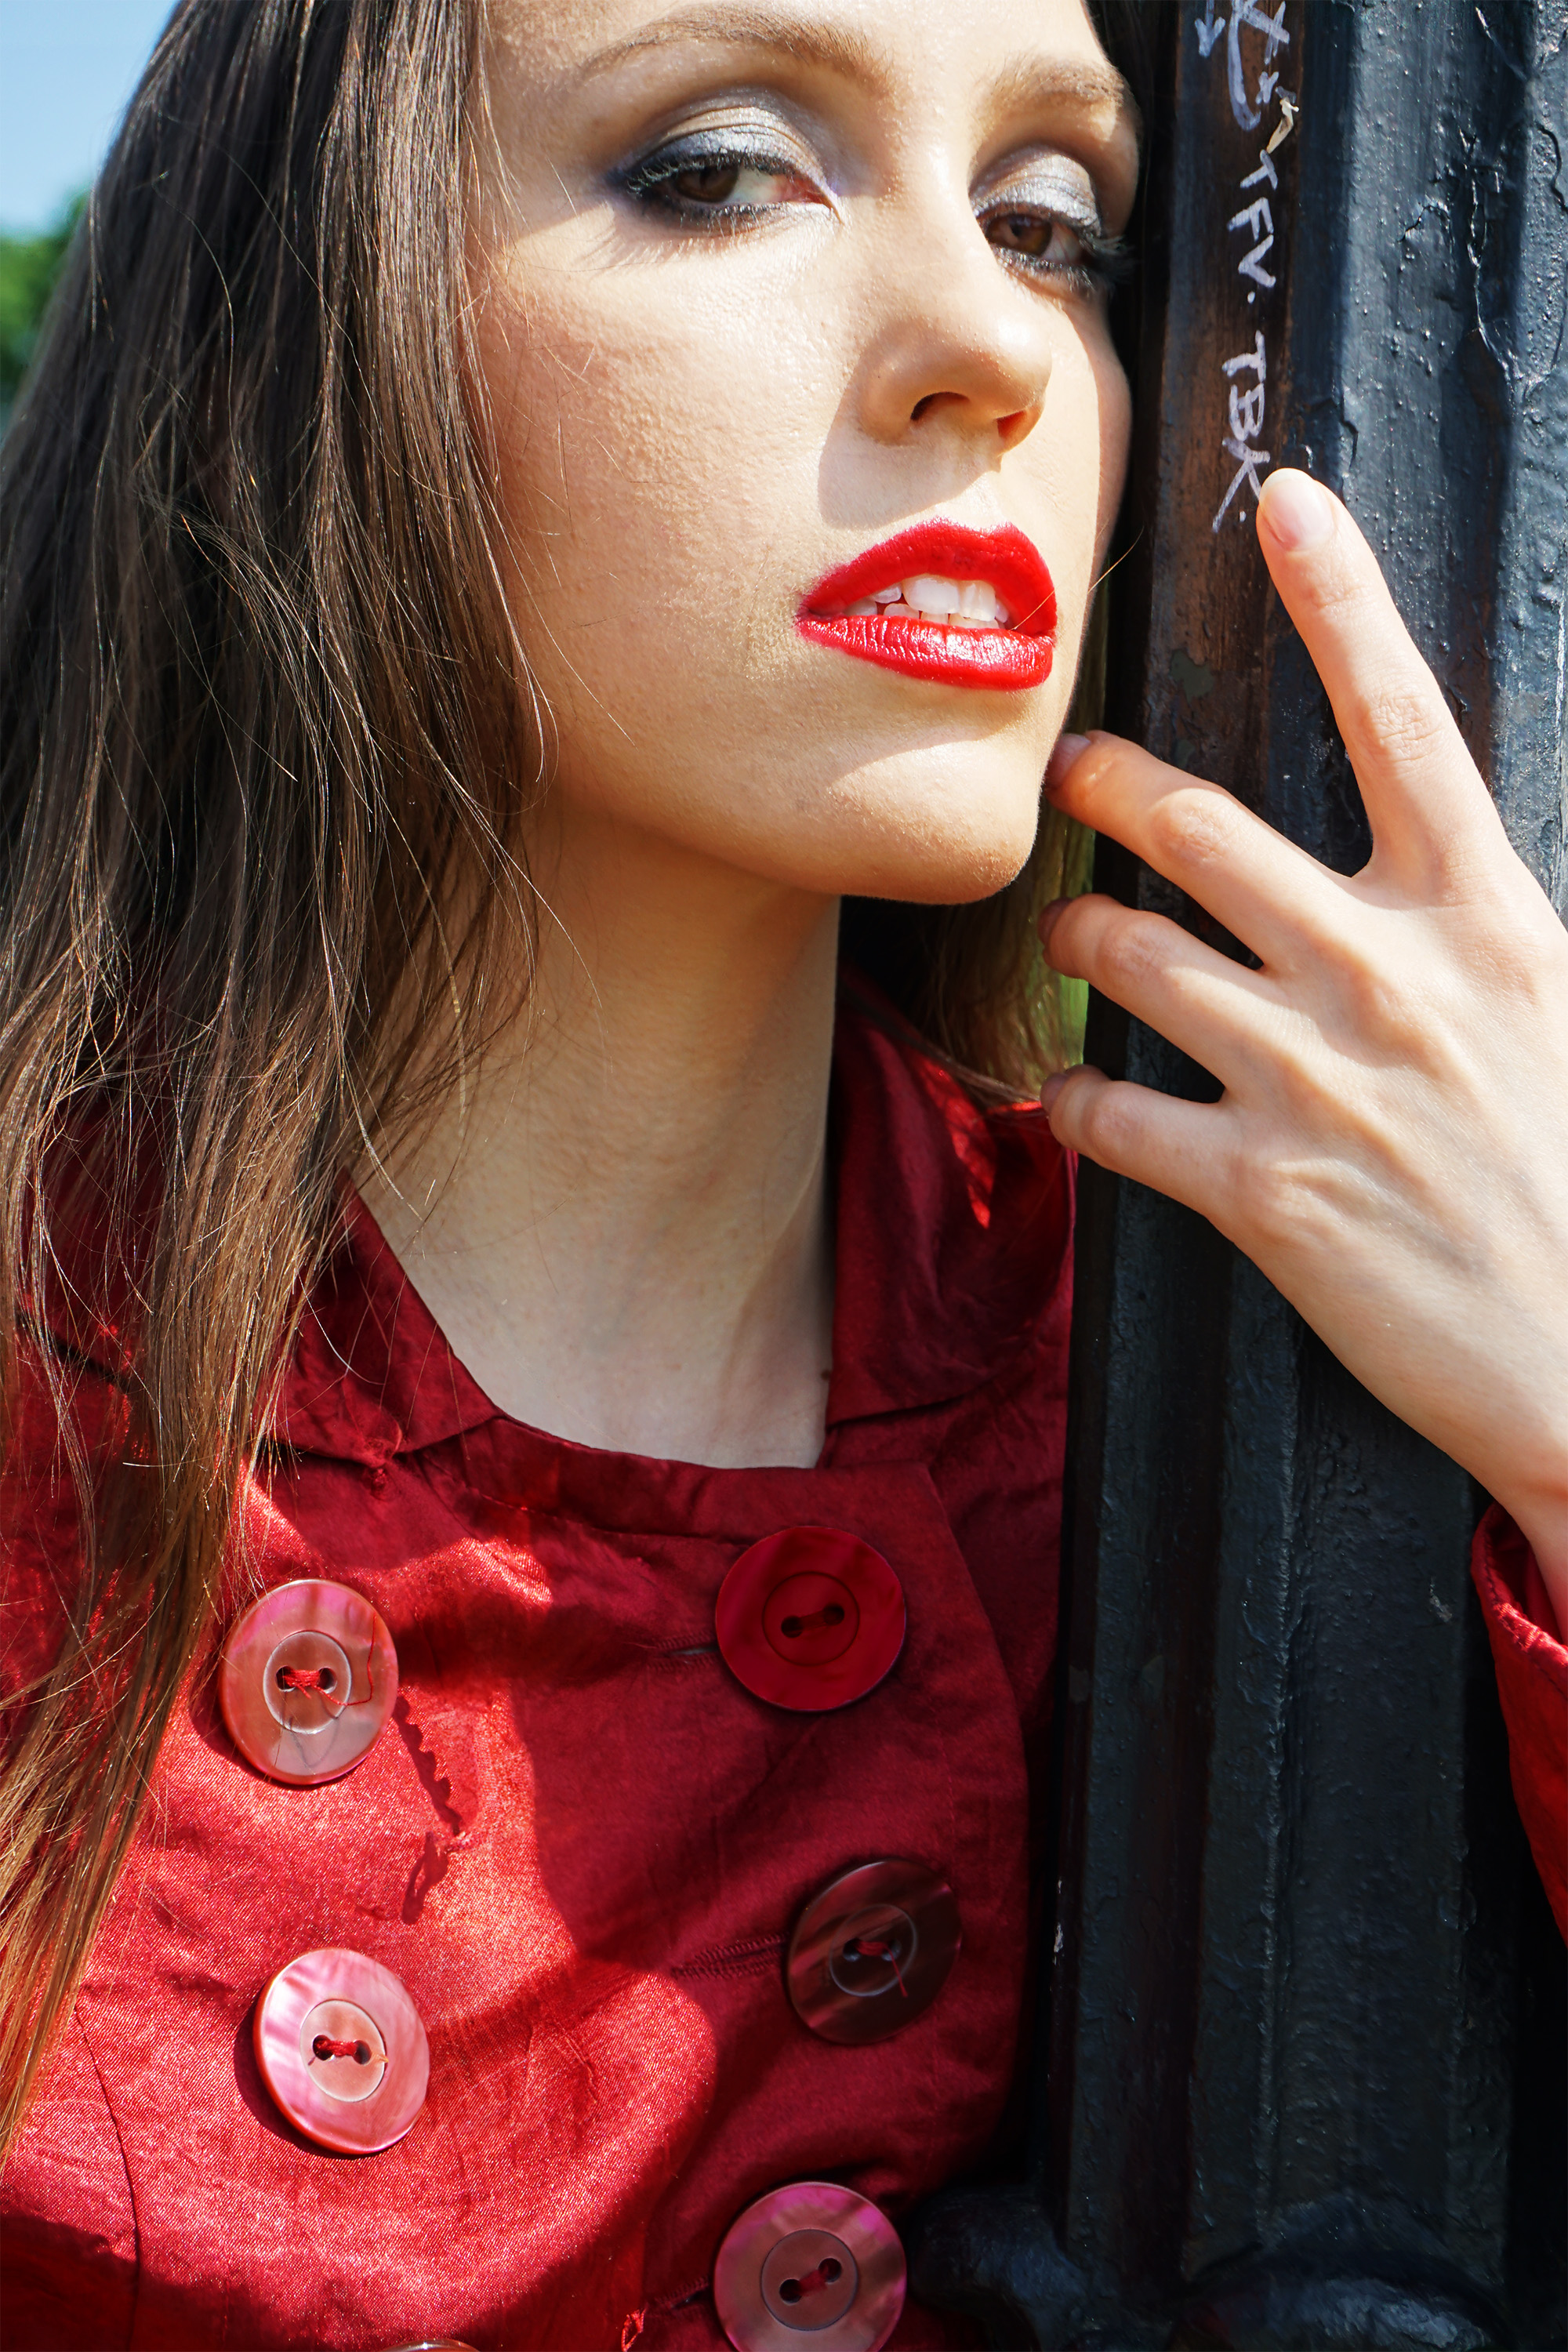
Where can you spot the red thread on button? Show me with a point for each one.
(880, 1924)
(354, 2111)
(861, 1948)
(308, 1678)
(303, 1678)
(324, 2046)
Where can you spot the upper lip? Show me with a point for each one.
(952, 550)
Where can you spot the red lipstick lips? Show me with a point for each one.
(1004, 658)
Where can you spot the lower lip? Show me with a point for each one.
(1004, 660)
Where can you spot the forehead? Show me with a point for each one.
(992, 54)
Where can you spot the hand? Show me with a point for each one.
(1392, 1144)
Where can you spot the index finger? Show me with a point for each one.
(1423, 792)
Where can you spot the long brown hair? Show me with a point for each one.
(264, 725)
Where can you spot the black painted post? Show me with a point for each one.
(1305, 2077)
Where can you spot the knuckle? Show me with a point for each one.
(1131, 951)
(1104, 1126)
(1391, 1016)
(1406, 723)
(1342, 591)
(1195, 828)
(1504, 910)
(1286, 1210)
(1376, 1000)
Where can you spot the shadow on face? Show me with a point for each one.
(764, 293)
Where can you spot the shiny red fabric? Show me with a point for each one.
(581, 1845)
(1532, 1682)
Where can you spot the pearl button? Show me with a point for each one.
(307, 1681)
(810, 2261)
(341, 2051)
(810, 1618)
(871, 1951)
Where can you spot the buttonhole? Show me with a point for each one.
(305, 1678)
(828, 2270)
(793, 1627)
(324, 2046)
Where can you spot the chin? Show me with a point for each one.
(939, 876)
(925, 864)
(937, 841)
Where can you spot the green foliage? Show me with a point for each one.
(28, 268)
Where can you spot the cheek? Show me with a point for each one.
(1079, 454)
(651, 464)
(1115, 443)
(672, 473)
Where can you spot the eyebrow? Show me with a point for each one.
(831, 46)
(1024, 80)
(839, 50)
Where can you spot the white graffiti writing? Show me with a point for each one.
(1249, 111)
(1246, 421)
(1247, 373)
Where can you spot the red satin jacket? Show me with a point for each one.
(581, 1843)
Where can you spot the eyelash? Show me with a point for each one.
(650, 183)
(1107, 262)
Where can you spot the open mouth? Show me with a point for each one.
(942, 601)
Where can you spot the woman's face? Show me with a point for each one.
(760, 290)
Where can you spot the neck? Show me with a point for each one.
(621, 1228)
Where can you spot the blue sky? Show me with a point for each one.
(66, 67)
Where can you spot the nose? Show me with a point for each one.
(956, 341)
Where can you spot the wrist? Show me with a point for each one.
(1540, 1515)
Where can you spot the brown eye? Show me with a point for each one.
(706, 183)
(1031, 234)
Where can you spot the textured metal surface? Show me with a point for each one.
(1299, 1947)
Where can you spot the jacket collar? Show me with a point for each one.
(952, 1230)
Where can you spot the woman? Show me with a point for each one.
(537, 1402)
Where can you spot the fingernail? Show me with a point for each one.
(1070, 749)
(1298, 512)
(1046, 921)
(1051, 1090)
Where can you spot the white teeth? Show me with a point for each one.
(928, 593)
(977, 602)
(963, 603)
